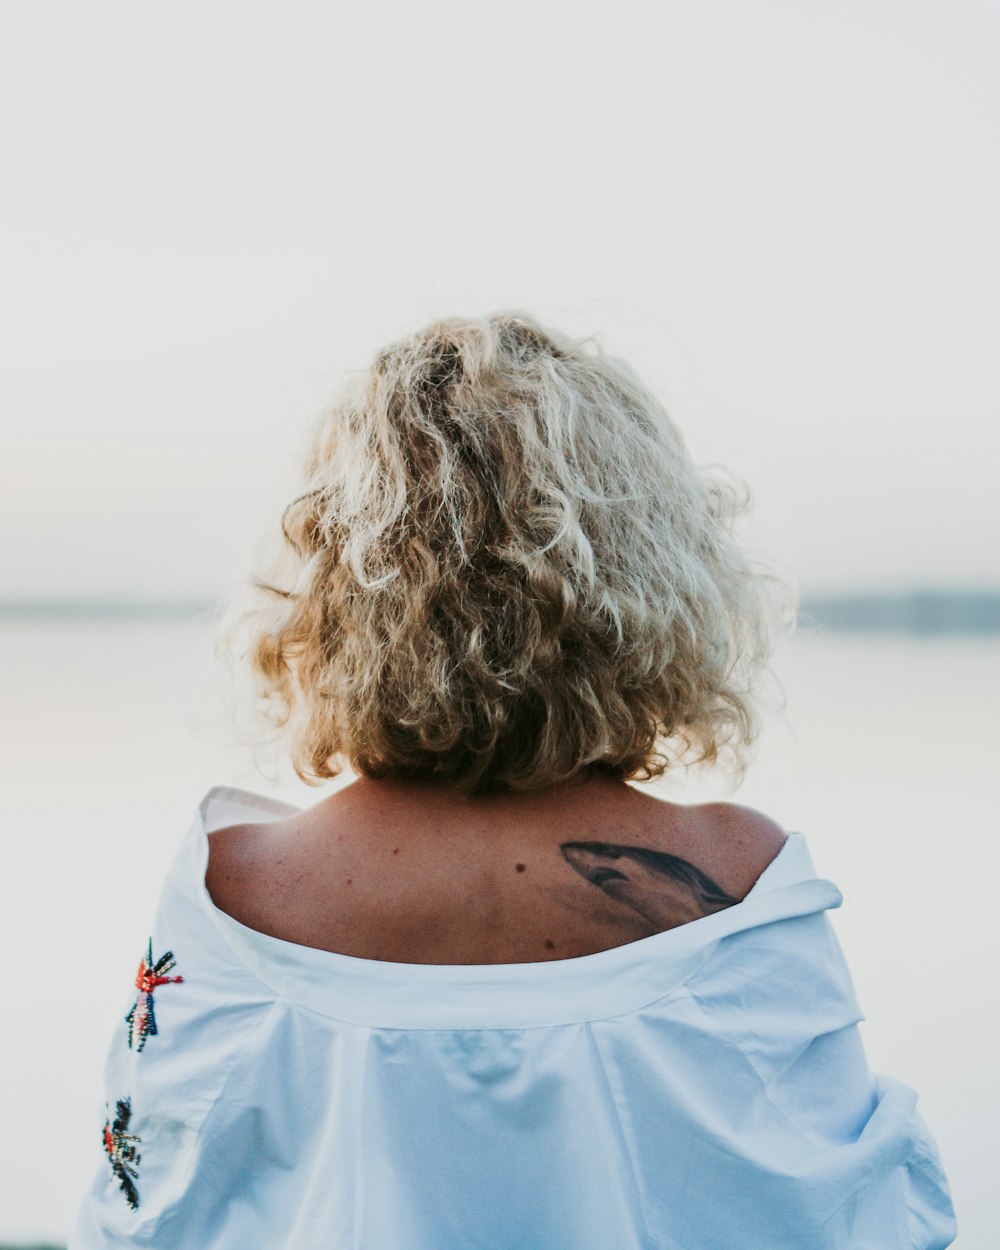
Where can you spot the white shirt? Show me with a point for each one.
(701, 1089)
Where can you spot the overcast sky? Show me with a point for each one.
(783, 213)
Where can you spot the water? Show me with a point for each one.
(885, 757)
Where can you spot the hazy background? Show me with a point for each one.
(783, 214)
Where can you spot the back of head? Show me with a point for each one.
(504, 571)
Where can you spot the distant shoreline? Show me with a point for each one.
(917, 613)
(34, 1245)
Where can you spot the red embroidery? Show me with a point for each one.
(140, 1020)
(122, 1154)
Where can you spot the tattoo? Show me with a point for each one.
(664, 889)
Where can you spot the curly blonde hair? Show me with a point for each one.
(504, 571)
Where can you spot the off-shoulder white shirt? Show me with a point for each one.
(701, 1089)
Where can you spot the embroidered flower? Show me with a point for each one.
(121, 1152)
(140, 1020)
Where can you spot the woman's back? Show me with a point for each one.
(702, 1087)
(411, 872)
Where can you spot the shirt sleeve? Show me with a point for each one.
(857, 1166)
(193, 1011)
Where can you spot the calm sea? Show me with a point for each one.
(885, 757)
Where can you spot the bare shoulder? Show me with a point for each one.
(277, 877)
(240, 859)
(228, 856)
(740, 842)
(743, 827)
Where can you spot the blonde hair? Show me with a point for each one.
(504, 570)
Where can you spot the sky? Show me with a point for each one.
(782, 214)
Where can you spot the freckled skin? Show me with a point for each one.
(453, 900)
(664, 889)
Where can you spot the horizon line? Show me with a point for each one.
(918, 610)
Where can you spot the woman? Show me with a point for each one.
(490, 994)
